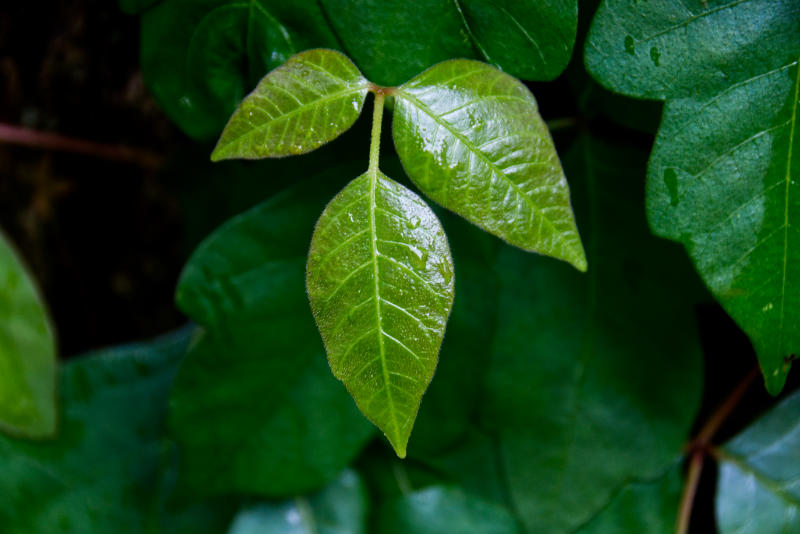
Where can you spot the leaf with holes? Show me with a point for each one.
(380, 281)
(531, 39)
(758, 490)
(471, 138)
(722, 178)
(298, 107)
(27, 353)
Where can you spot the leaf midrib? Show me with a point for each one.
(463, 139)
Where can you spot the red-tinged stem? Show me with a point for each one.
(49, 141)
(701, 445)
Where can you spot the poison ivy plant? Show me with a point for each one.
(722, 177)
(109, 468)
(339, 508)
(758, 490)
(201, 57)
(573, 413)
(254, 407)
(444, 509)
(380, 276)
(27, 352)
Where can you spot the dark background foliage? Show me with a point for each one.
(107, 240)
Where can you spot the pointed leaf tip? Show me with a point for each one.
(308, 101)
(381, 285)
(470, 136)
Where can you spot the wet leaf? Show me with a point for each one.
(108, 469)
(440, 509)
(310, 100)
(757, 489)
(254, 408)
(380, 281)
(722, 177)
(471, 138)
(201, 58)
(580, 396)
(339, 508)
(27, 352)
(393, 40)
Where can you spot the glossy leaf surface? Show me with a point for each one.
(255, 408)
(310, 100)
(722, 177)
(201, 58)
(650, 507)
(585, 393)
(108, 470)
(471, 138)
(758, 490)
(339, 508)
(27, 352)
(393, 40)
(440, 509)
(380, 281)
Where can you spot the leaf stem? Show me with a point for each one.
(710, 428)
(689, 491)
(375, 144)
(16, 135)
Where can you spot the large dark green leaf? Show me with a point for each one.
(27, 352)
(471, 138)
(593, 379)
(758, 491)
(722, 177)
(339, 508)
(393, 40)
(109, 468)
(201, 57)
(380, 281)
(306, 102)
(254, 407)
(439, 509)
(647, 507)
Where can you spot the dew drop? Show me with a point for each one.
(629, 44)
(412, 223)
(419, 258)
(655, 55)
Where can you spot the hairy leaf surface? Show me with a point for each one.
(27, 352)
(310, 100)
(758, 490)
(440, 509)
(339, 508)
(109, 470)
(380, 281)
(471, 138)
(255, 408)
(393, 40)
(584, 392)
(722, 177)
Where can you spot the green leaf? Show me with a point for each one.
(380, 281)
(593, 381)
(444, 509)
(106, 471)
(722, 177)
(650, 507)
(254, 407)
(298, 107)
(200, 58)
(757, 489)
(339, 508)
(471, 138)
(27, 353)
(393, 40)
(133, 7)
